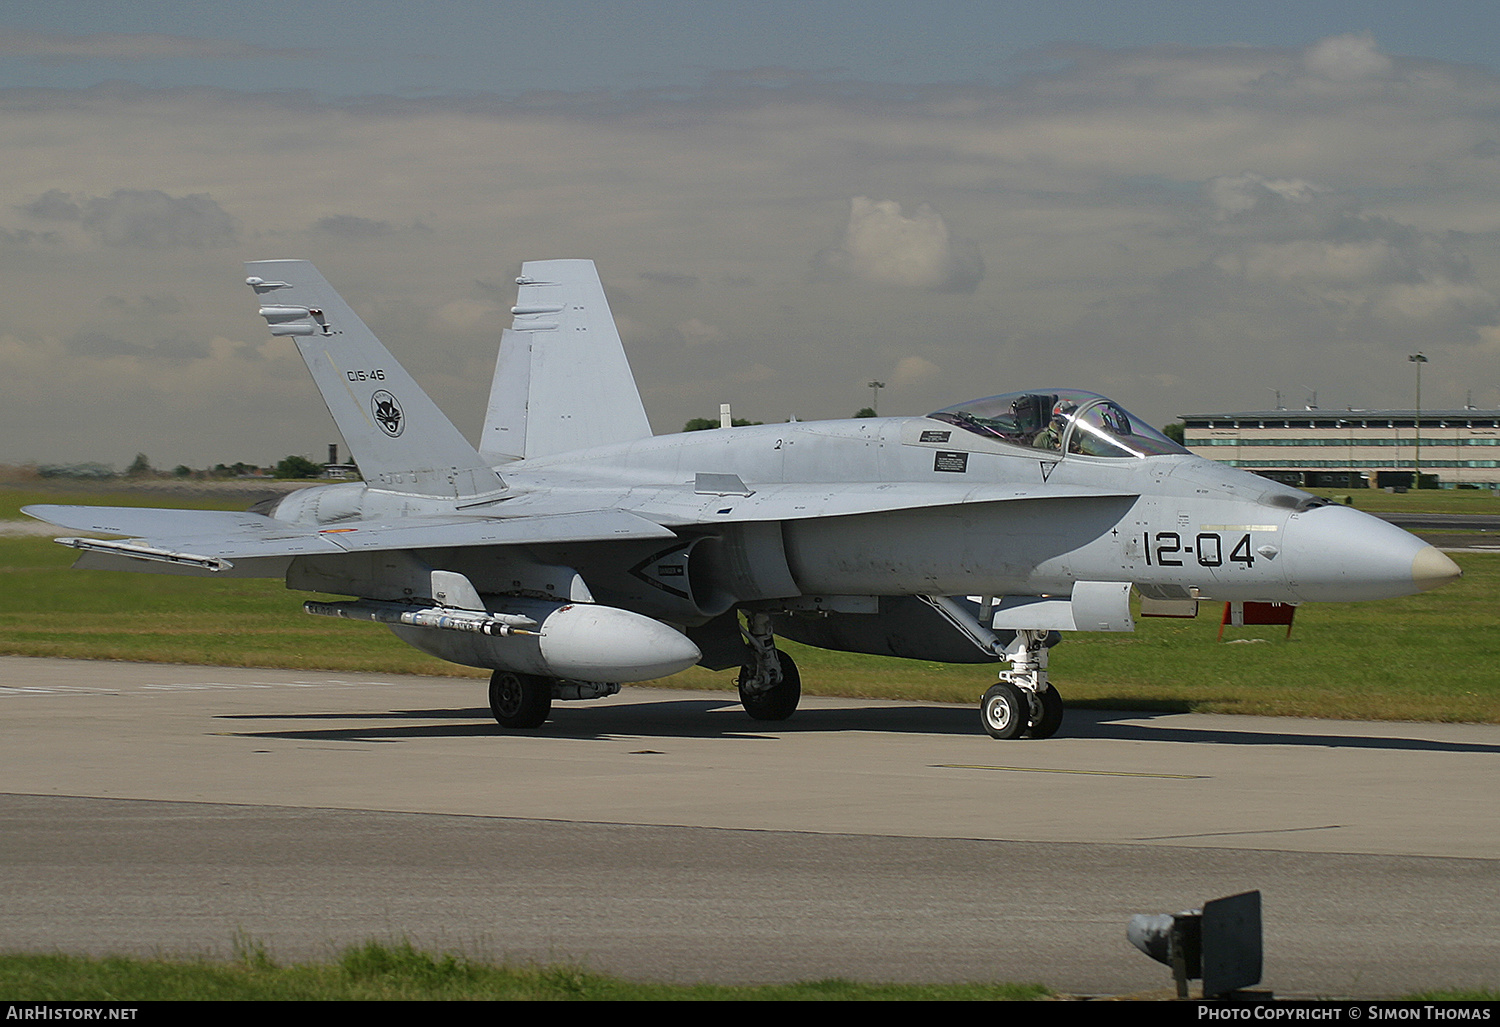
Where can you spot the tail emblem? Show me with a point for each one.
(387, 413)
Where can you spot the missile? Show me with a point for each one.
(570, 641)
(480, 621)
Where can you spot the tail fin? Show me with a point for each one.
(562, 381)
(504, 435)
(397, 435)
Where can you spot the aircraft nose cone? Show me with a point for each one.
(1336, 554)
(1431, 568)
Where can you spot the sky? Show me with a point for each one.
(1189, 207)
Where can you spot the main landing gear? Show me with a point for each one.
(520, 700)
(525, 700)
(1023, 704)
(770, 686)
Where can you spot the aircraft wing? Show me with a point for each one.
(134, 520)
(213, 540)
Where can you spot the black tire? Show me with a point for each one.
(780, 702)
(520, 700)
(1052, 715)
(1004, 711)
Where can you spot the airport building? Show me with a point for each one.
(1355, 448)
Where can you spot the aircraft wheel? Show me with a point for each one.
(780, 702)
(1004, 711)
(1052, 715)
(520, 700)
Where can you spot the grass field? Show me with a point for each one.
(398, 972)
(1455, 501)
(1434, 656)
(377, 971)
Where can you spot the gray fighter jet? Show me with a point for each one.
(573, 550)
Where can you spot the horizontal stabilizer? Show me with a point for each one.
(204, 536)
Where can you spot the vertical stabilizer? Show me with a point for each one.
(504, 435)
(396, 434)
(579, 392)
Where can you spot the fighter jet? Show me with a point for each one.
(574, 550)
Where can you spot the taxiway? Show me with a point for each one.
(664, 835)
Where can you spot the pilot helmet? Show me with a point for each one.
(1063, 410)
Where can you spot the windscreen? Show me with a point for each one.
(1061, 420)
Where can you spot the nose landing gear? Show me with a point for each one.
(1023, 704)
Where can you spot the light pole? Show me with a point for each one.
(1354, 477)
(1419, 360)
(875, 388)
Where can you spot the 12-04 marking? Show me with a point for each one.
(1208, 547)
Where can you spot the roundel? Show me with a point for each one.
(387, 413)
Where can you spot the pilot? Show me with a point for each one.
(1051, 436)
(1026, 414)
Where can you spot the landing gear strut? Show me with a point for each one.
(770, 686)
(1023, 703)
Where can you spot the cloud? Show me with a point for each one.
(883, 246)
(1315, 262)
(697, 332)
(142, 218)
(1439, 300)
(101, 344)
(1321, 247)
(1249, 193)
(1182, 227)
(348, 226)
(470, 313)
(911, 370)
(1348, 58)
(124, 46)
(53, 205)
(150, 219)
(24, 237)
(667, 278)
(142, 306)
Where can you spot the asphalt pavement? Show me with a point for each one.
(664, 835)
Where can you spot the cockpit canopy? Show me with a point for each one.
(1062, 420)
